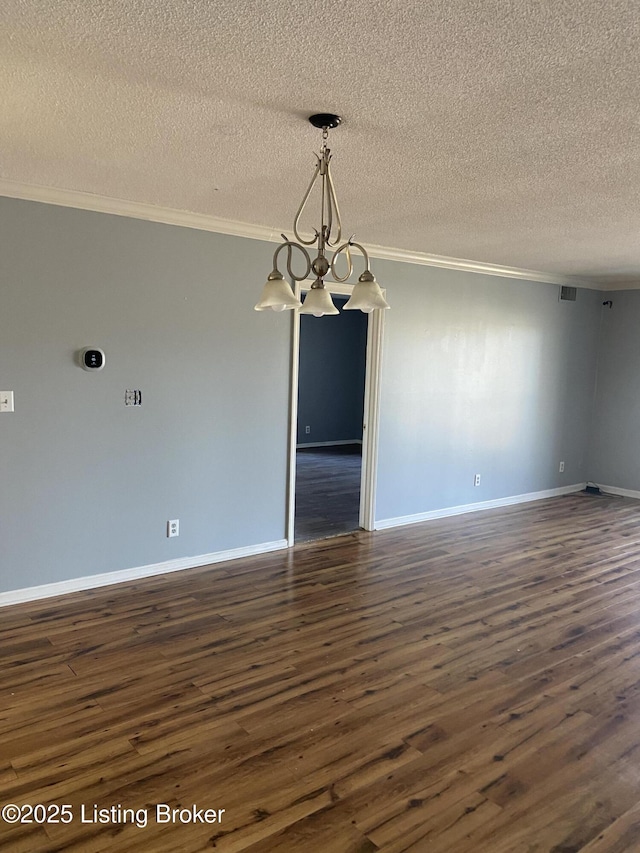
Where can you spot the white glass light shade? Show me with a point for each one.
(366, 295)
(277, 295)
(318, 302)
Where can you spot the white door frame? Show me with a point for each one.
(371, 415)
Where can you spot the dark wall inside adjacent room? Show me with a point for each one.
(331, 380)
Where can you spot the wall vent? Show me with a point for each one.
(568, 294)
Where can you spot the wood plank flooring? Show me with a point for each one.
(465, 685)
(327, 491)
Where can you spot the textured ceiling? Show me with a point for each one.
(504, 132)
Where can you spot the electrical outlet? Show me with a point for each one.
(561, 468)
(476, 480)
(307, 429)
(173, 528)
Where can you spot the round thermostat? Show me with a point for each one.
(92, 358)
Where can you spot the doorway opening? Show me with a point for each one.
(334, 421)
(331, 369)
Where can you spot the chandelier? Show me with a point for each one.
(277, 294)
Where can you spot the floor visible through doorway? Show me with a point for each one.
(327, 491)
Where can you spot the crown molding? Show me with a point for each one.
(476, 267)
(204, 222)
(610, 286)
(136, 210)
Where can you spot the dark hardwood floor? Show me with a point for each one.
(327, 491)
(465, 685)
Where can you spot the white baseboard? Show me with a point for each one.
(329, 443)
(477, 507)
(47, 590)
(623, 493)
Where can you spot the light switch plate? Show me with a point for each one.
(6, 401)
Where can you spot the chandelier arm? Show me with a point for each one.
(326, 197)
(333, 206)
(346, 248)
(364, 253)
(296, 221)
(290, 245)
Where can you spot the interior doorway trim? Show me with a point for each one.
(371, 414)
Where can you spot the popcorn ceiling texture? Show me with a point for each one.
(505, 132)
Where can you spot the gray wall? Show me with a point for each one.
(331, 378)
(615, 445)
(481, 375)
(87, 485)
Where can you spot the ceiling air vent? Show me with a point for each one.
(568, 294)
